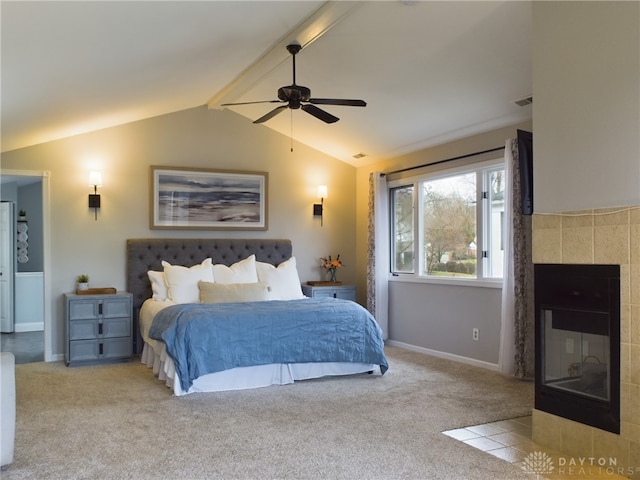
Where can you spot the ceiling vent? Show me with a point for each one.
(523, 102)
(360, 155)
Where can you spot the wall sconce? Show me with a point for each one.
(318, 207)
(95, 181)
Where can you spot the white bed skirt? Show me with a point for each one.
(245, 377)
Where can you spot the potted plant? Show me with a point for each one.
(83, 281)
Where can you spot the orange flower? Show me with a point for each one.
(330, 264)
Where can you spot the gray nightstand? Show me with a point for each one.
(98, 328)
(346, 292)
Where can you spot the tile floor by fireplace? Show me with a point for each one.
(510, 440)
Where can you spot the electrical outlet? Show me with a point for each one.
(476, 334)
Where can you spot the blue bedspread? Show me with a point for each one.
(208, 338)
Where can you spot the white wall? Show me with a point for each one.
(196, 137)
(586, 64)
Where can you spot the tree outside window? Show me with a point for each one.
(449, 218)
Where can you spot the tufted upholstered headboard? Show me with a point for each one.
(144, 254)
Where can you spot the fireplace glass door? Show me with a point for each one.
(578, 343)
(577, 353)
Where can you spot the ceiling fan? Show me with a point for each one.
(296, 96)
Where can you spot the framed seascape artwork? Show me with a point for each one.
(198, 199)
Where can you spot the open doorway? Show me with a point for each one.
(29, 335)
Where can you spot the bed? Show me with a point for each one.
(308, 338)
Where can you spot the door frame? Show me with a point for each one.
(9, 263)
(46, 254)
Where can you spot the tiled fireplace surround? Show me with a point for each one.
(599, 236)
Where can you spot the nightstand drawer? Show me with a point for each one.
(116, 327)
(116, 307)
(114, 348)
(109, 327)
(345, 292)
(83, 351)
(83, 309)
(325, 293)
(96, 350)
(83, 329)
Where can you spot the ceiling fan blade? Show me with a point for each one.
(319, 113)
(249, 103)
(271, 114)
(338, 101)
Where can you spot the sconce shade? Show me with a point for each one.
(95, 179)
(322, 191)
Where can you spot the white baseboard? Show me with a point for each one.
(28, 327)
(58, 357)
(445, 355)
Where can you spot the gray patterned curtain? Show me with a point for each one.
(523, 281)
(378, 251)
(517, 342)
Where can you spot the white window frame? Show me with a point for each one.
(483, 171)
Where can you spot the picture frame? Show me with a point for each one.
(207, 199)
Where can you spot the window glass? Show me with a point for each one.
(402, 229)
(449, 223)
(495, 224)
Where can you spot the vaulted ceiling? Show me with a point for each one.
(430, 72)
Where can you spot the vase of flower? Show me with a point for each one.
(332, 274)
(331, 266)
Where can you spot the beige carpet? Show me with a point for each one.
(118, 422)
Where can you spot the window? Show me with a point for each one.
(449, 225)
(402, 226)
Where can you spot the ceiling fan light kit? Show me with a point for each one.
(299, 97)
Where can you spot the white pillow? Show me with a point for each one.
(283, 280)
(243, 271)
(182, 282)
(158, 285)
(232, 292)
